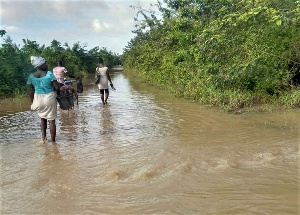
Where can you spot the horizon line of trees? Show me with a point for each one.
(15, 64)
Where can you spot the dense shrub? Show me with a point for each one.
(217, 51)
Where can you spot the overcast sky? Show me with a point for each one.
(103, 23)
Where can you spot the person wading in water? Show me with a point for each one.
(43, 85)
(103, 73)
(59, 73)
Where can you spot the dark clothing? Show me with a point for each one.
(104, 90)
(79, 87)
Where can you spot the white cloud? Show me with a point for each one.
(10, 28)
(71, 20)
(99, 26)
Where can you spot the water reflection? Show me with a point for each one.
(67, 123)
(106, 123)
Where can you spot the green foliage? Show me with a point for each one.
(2, 33)
(229, 53)
(15, 64)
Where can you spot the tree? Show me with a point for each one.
(2, 33)
(219, 52)
(15, 61)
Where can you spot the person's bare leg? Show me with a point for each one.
(106, 97)
(52, 130)
(43, 129)
(102, 99)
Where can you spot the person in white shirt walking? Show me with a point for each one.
(104, 77)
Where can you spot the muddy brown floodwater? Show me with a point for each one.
(148, 152)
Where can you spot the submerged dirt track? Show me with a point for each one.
(147, 152)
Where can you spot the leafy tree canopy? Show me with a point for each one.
(15, 61)
(229, 52)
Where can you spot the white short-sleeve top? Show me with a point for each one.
(103, 84)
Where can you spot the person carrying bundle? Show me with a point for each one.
(43, 85)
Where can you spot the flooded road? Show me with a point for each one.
(147, 152)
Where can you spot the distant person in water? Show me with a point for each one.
(103, 72)
(43, 85)
(79, 85)
(59, 72)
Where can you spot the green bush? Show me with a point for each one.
(228, 53)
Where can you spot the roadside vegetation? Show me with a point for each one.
(229, 53)
(15, 64)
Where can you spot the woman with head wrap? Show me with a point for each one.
(43, 85)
